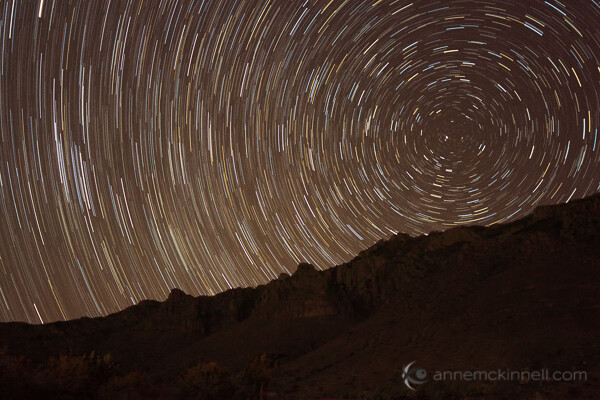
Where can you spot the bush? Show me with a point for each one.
(68, 375)
(208, 380)
(134, 385)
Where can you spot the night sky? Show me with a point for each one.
(208, 145)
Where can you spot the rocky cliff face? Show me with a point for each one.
(522, 294)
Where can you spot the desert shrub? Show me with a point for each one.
(71, 375)
(260, 371)
(131, 386)
(133, 379)
(208, 380)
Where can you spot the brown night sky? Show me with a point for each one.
(206, 145)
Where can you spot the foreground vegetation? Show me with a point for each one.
(94, 376)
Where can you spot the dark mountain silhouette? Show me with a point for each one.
(518, 296)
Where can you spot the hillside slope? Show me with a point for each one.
(521, 296)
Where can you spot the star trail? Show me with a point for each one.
(208, 145)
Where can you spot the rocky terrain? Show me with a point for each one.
(518, 296)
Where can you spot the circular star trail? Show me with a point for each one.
(206, 145)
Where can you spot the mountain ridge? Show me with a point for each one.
(441, 298)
